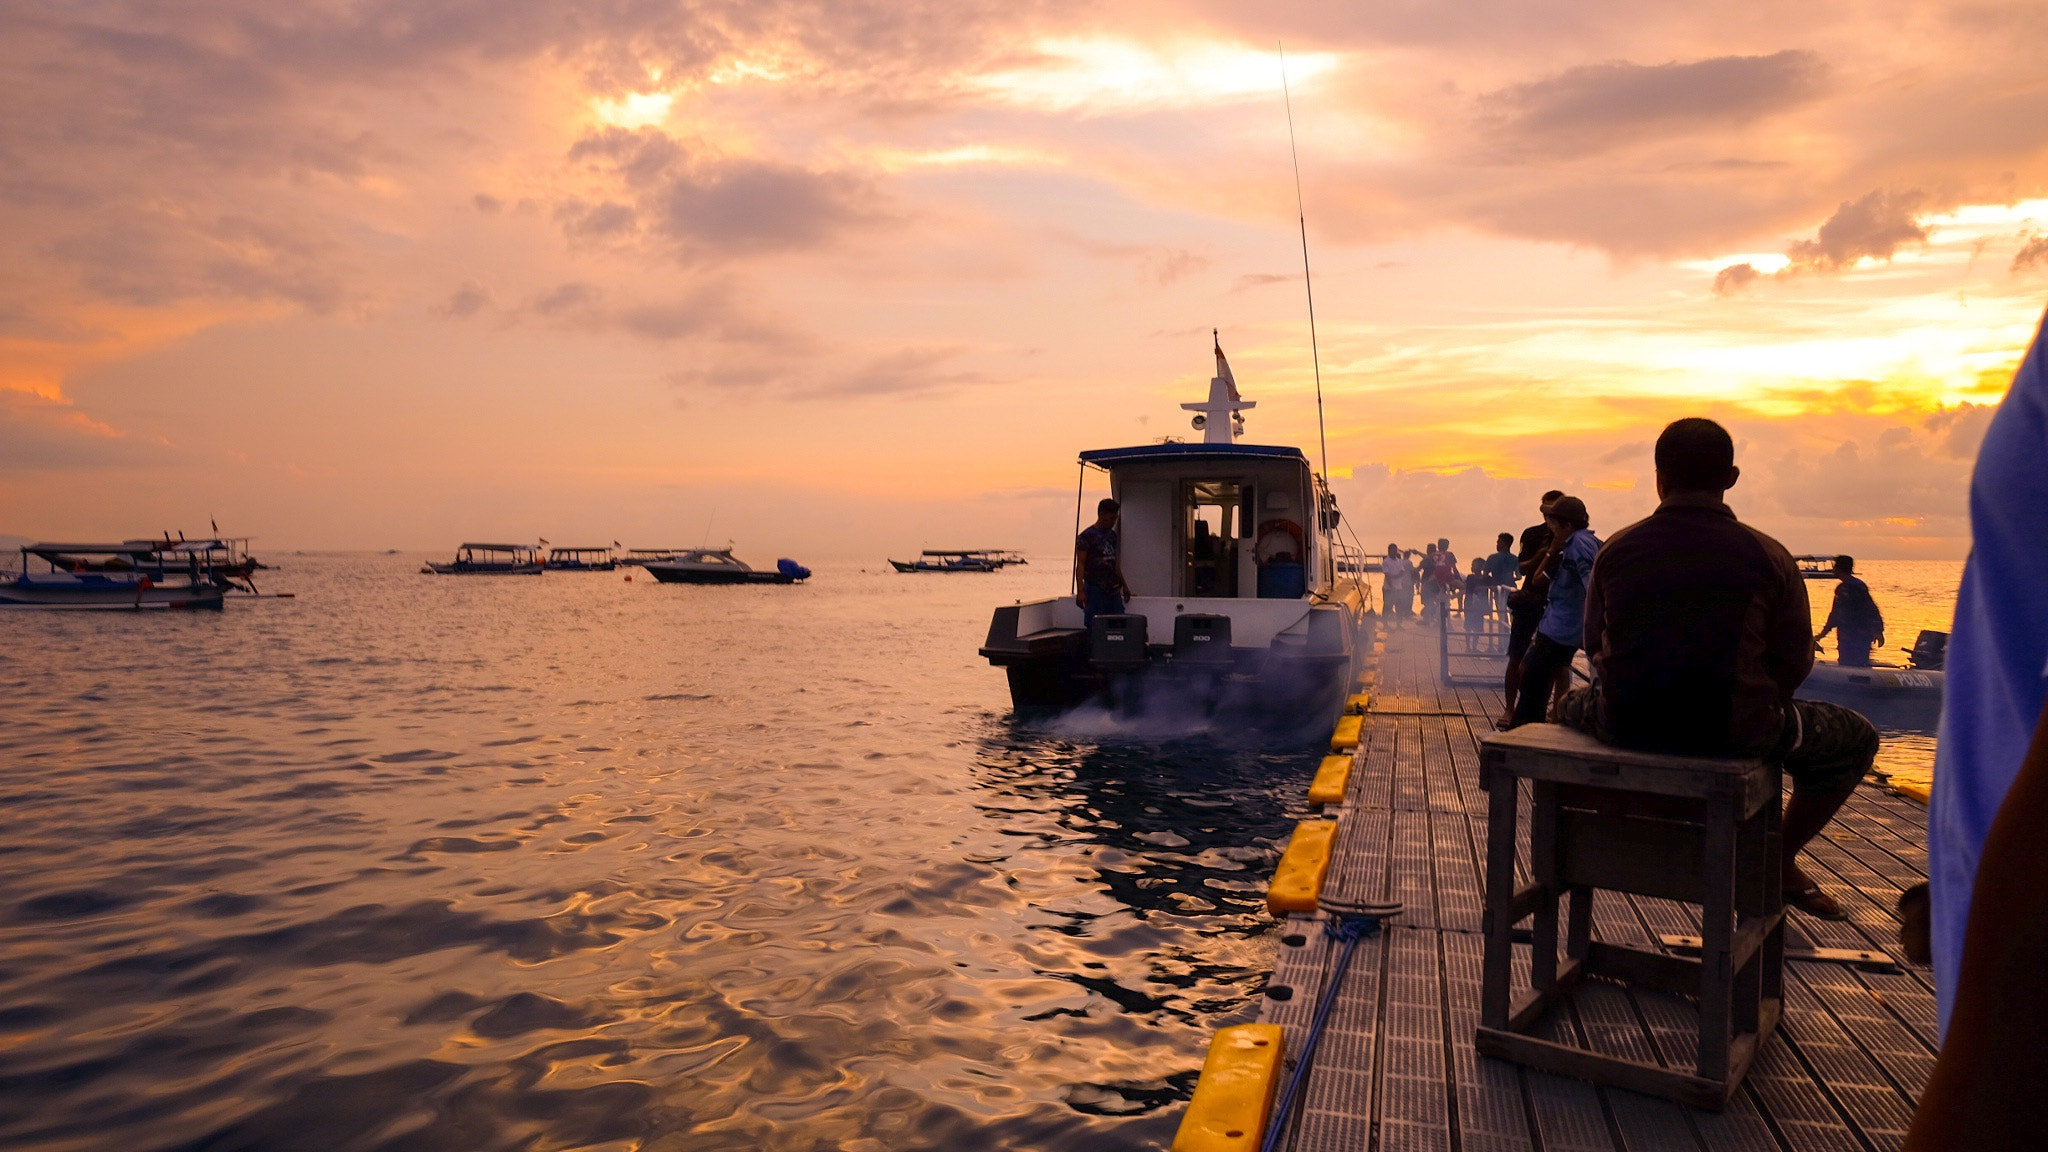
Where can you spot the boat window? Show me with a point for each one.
(1208, 537)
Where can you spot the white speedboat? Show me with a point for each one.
(720, 566)
(1231, 553)
(115, 577)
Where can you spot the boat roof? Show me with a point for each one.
(128, 549)
(967, 551)
(598, 548)
(504, 547)
(1179, 451)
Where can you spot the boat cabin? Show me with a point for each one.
(1223, 521)
(495, 554)
(581, 559)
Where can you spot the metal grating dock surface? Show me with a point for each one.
(1396, 1067)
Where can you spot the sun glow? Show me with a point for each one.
(634, 109)
(1108, 76)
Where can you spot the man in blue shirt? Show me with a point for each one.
(1854, 616)
(1098, 569)
(1997, 668)
(1563, 626)
(1992, 760)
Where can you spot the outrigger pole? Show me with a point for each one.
(1301, 219)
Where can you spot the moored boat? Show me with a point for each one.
(115, 577)
(490, 560)
(1231, 553)
(941, 560)
(720, 566)
(580, 560)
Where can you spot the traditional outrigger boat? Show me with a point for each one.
(580, 560)
(1231, 553)
(130, 576)
(967, 560)
(720, 566)
(491, 560)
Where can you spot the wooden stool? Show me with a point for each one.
(1685, 828)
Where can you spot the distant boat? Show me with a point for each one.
(940, 560)
(580, 560)
(114, 577)
(720, 566)
(491, 560)
(226, 555)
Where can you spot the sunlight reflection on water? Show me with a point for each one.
(574, 861)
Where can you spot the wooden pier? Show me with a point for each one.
(1396, 1067)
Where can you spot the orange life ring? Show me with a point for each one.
(1270, 527)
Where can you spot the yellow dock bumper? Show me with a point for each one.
(1331, 779)
(1358, 703)
(1347, 734)
(1299, 879)
(1235, 1094)
(1913, 790)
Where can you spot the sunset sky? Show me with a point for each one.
(847, 278)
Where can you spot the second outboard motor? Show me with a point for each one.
(1201, 638)
(1116, 646)
(1930, 651)
(1201, 649)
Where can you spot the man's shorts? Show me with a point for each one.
(1825, 748)
(1522, 624)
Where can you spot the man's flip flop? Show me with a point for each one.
(1815, 903)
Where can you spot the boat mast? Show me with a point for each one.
(1301, 219)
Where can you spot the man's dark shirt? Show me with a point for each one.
(1697, 629)
(1097, 546)
(1529, 599)
(1854, 610)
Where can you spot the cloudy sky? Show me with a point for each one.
(847, 277)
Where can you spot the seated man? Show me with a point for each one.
(1698, 633)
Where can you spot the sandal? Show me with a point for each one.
(1815, 903)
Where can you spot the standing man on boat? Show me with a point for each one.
(1698, 633)
(1098, 566)
(1525, 604)
(1854, 616)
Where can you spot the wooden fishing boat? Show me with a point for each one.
(111, 577)
(491, 560)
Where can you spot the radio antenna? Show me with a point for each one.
(1301, 219)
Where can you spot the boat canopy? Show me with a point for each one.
(1179, 451)
(143, 548)
(563, 551)
(501, 547)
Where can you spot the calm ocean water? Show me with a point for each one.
(574, 862)
(462, 863)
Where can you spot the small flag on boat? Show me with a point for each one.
(1223, 367)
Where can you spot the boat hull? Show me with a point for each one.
(131, 598)
(920, 566)
(460, 569)
(1300, 675)
(672, 574)
(1889, 697)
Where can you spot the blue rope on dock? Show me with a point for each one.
(1348, 927)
